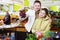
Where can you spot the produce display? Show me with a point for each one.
(7, 20)
(22, 13)
(56, 16)
(31, 37)
(1, 22)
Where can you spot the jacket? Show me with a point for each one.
(41, 25)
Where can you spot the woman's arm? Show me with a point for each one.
(34, 27)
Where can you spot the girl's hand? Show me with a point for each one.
(38, 34)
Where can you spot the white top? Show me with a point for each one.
(31, 18)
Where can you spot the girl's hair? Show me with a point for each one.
(46, 11)
(37, 1)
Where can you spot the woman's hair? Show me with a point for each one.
(37, 1)
(46, 10)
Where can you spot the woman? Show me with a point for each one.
(42, 23)
(31, 14)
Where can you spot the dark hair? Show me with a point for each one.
(46, 10)
(37, 1)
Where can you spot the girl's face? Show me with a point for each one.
(42, 14)
(37, 6)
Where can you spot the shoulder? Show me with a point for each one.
(30, 11)
(50, 20)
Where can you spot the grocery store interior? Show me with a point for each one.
(14, 28)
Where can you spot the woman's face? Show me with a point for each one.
(42, 14)
(37, 6)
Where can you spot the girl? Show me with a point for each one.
(42, 23)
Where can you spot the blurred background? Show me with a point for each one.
(14, 6)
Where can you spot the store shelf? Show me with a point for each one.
(55, 26)
(57, 16)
